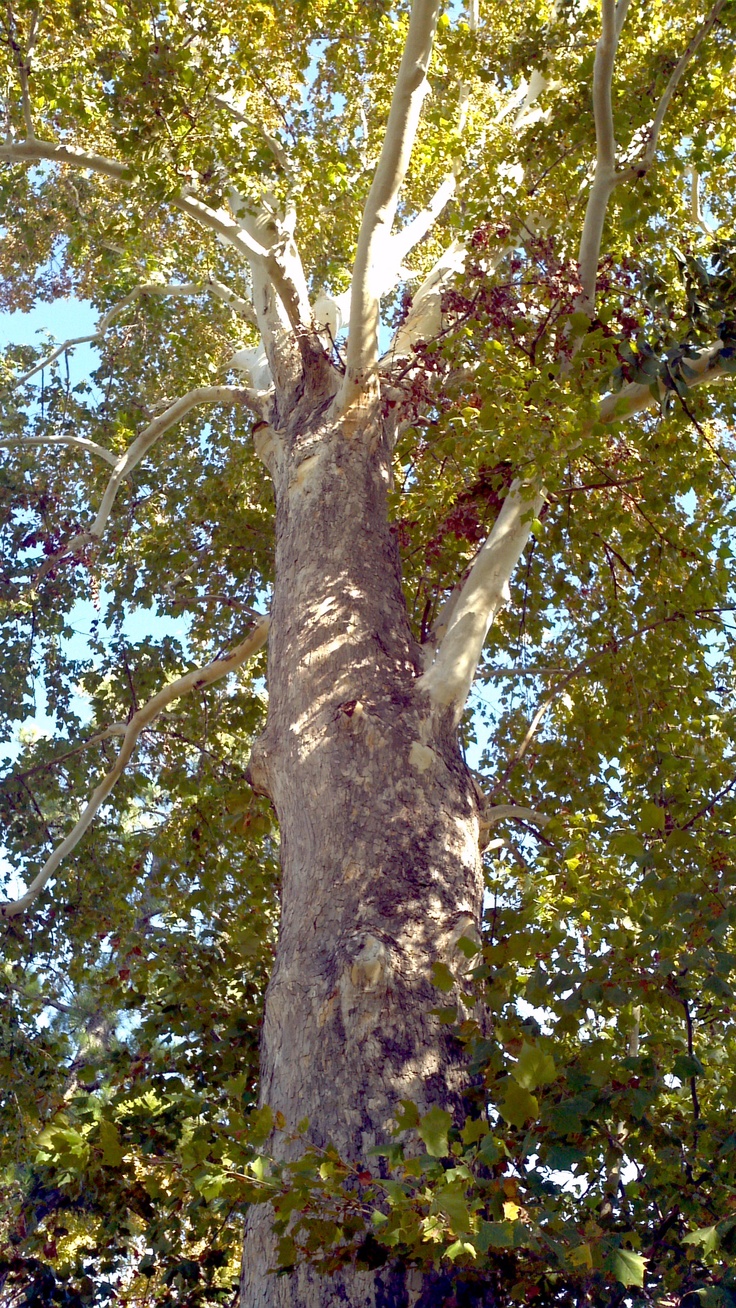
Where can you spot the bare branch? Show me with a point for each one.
(424, 319)
(472, 608)
(194, 680)
(277, 151)
(484, 593)
(76, 442)
(235, 302)
(605, 177)
(646, 158)
(147, 438)
(403, 242)
(53, 356)
(34, 150)
(380, 209)
(494, 813)
(695, 211)
(216, 220)
(23, 61)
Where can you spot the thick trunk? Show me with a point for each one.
(378, 818)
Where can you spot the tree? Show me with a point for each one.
(474, 276)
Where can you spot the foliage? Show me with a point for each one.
(597, 1162)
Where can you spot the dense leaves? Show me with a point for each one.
(597, 1162)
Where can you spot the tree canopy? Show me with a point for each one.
(567, 213)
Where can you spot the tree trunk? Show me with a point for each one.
(379, 840)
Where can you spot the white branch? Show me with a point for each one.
(703, 369)
(148, 437)
(216, 220)
(34, 150)
(51, 358)
(403, 242)
(278, 153)
(605, 177)
(647, 155)
(76, 442)
(470, 611)
(424, 320)
(331, 312)
(485, 592)
(193, 680)
(494, 813)
(695, 211)
(380, 209)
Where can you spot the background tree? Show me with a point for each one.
(473, 276)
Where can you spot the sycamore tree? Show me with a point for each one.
(388, 912)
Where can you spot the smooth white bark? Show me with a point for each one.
(216, 220)
(380, 209)
(494, 813)
(604, 178)
(143, 718)
(75, 442)
(705, 367)
(484, 593)
(332, 312)
(424, 319)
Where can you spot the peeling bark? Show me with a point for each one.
(379, 827)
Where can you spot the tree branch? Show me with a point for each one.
(147, 438)
(471, 610)
(278, 153)
(24, 68)
(646, 158)
(193, 680)
(380, 209)
(403, 242)
(53, 356)
(483, 594)
(173, 289)
(702, 369)
(605, 176)
(493, 813)
(216, 220)
(76, 442)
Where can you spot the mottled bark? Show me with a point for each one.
(378, 818)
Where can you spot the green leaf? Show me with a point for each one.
(685, 1066)
(627, 1267)
(652, 817)
(407, 1116)
(260, 1125)
(706, 1237)
(475, 1129)
(518, 1105)
(625, 842)
(534, 1067)
(433, 1129)
(112, 1150)
(442, 977)
(495, 1235)
(452, 1202)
